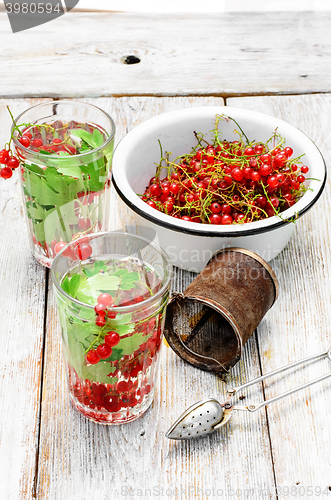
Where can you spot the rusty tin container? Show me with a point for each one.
(208, 324)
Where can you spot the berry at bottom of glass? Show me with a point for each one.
(112, 349)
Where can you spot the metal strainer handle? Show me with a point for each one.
(255, 407)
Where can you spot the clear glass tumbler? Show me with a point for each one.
(112, 303)
(65, 172)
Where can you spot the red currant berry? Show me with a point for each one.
(253, 162)
(104, 351)
(206, 182)
(237, 174)
(58, 247)
(249, 152)
(288, 199)
(175, 176)
(124, 386)
(288, 152)
(92, 358)
(155, 190)
(101, 310)
(174, 188)
(279, 160)
(300, 178)
(265, 170)
(280, 179)
(186, 218)
(168, 206)
(265, 158)
(261, 201)
(258, 148)
(100, 321)
(294, 184)
(275, 151)
(4, 156)
(151, 203)
(112, 338)
(272, 181)
(6, 173)
(84, 225)
(274, 201)
(67, 147)
(226, 219)
(13, 163)
(304, 169)
(255, 176)
(215, 219)
(164, 197)
(240, 218)
(247, 171)
(215, 208)
(83, 251)
(165, 186)
(25, 141)
(226, 209)
(105, 299)
(270, 211)
(196, 166)
(187, 183)
(36, 143)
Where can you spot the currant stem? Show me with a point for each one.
(14, 122)
(229, 117)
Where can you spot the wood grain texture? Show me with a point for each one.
(22, 299)
(225, 54)
(299, 323)
(81, 460)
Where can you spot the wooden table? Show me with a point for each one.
(278, 63)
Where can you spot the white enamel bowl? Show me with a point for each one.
(190, 245)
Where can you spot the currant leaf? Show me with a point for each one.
(94, 140)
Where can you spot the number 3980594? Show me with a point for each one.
(33, 8)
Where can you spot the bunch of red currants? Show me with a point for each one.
(228, 183)
(8, 163)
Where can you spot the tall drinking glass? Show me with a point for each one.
(65, 170)
(112, 303)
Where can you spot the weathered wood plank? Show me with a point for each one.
(79, 459)
(22, 298)
(236, 53)
(299, 323)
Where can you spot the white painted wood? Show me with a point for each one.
(206, 6)
(299, 323)
(22, 293)
(79, 459)
(79, 54)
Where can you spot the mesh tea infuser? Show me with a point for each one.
(206, 416)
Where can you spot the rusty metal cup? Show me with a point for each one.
(208, 324)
